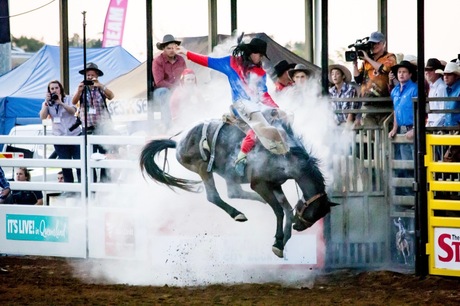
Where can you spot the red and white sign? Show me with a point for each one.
(447, 248)
(114, 23)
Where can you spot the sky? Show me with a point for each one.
(347, 22)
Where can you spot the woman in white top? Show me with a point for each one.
(60, 109)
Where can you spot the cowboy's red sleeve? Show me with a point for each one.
(267, 100)
(198, 58)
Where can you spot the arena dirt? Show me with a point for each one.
(29, 280)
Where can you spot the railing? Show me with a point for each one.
(88, 185)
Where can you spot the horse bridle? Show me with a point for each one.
(305, 205)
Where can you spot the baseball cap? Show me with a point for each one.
(376, 37)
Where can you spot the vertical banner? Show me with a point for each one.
(114, 23)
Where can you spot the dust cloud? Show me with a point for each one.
(158, 236)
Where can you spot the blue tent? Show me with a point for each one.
(22, 90)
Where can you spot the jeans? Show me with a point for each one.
(161, 96)
(69, 152)
(98, 148)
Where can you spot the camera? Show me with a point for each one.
(75, 125)
(359, 46)
(53, 99)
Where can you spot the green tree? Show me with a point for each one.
(76, 41)
(28, 44)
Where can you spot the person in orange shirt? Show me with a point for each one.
(373, 77)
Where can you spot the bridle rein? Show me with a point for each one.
(305, 205)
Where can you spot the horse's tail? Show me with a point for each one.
(147, 164)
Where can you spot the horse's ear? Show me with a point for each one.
(333, 204)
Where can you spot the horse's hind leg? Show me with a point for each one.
(214, 197)
(235, 191)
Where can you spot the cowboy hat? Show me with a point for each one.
(92, 66)
(299, 67)
(282, 67)
(167, 39)
(434, 64)
(345, 71)
(450, 68)
(406, 64)
(257, 45)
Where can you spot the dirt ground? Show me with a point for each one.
(51, 281)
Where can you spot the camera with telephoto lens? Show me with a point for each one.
(358, 47)
(53, 99)
(75, 125)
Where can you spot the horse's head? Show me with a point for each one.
(309, 211)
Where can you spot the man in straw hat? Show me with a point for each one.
(437, 88)
(167, 68)
(340, 78)
(96, 112)
(451, 74)
(247, 79)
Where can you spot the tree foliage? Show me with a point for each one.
(77, 41)
(28, 44)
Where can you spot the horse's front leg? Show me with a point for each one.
(266, 192)
(287, 208)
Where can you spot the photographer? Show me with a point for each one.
(59, 108)
(373, 75)
(97, 115)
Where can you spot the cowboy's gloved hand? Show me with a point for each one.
(274, 113)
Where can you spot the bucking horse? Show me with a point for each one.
(212, 147)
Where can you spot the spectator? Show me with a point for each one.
(60, 177)
(403, 123)
(340, 77)
(25, 197)
(437, 88)
(5, 185)
(300, 74)
(58, 106)
(451, 75)
(186, 97)
(247, 80)
(167, 68)
(373, 76)
(283, 80)
(98, 117)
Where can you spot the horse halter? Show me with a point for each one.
(305, 205)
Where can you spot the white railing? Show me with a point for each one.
(85, 188)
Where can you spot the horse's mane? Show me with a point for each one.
(308, 162)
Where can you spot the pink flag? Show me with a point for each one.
(114, 23)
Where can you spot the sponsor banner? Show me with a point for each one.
(114, 23)
(123, 110)
(37, 228)
(119, 235)
(43, 230)
(447, 248)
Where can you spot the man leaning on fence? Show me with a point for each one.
(373, 77)
(451, 75)
(5, 185)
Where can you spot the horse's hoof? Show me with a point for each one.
(277, 251)
(240, 218)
